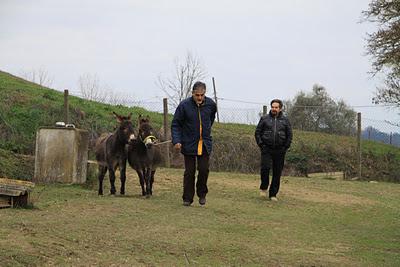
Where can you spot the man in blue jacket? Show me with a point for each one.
(191, 134)
(274, 136)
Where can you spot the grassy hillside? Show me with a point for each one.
(24, 106)
(16, 165)
(317, 222)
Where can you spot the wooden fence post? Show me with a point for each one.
(265, 110)
(359, 143)
(167, 158)
(215, 98)
(66, 107)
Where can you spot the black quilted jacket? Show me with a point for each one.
(274, 132)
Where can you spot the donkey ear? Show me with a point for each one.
(129, 116)
(118, 117)
(148, 118)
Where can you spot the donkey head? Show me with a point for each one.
(125, 128)
(146, 132)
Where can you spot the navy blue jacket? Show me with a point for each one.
(185, 127)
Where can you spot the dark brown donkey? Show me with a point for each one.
(144, 155)
(111, 153)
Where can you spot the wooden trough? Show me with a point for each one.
(328, 175)
(15, 193)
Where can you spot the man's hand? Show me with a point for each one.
(178, 146)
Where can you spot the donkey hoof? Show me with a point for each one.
(122, 192)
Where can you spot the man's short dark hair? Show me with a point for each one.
(277, 101)
(198, 85)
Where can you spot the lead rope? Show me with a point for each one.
(157, 144)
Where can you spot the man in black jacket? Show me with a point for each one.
(191, 134)
(274, 136)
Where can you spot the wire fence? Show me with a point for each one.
(310, 153)
(249, 116)
(249, 113)
(381, 131)
(372, 129)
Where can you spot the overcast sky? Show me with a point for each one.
(256, 49)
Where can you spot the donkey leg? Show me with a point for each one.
(152, 181)
(122, 170)
(111, 172)
(102, 172)
(141, 180)
(148, 182)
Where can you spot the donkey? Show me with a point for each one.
(111, 153)
(144, 155)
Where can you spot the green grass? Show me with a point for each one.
(317, 222)
(26, 106)
(16, 166)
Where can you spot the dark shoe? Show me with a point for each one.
(187, 203)
(202, 201)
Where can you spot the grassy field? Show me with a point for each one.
(317, 222)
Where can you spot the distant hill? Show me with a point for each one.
(370, 133)
(25, 106)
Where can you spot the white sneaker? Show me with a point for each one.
(263, 193)
(273, 199)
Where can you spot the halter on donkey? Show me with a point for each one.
(144, 155)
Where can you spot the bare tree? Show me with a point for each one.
(89, 86)
(114, 98)
(178, 87)
(92, 89)
(40, 76)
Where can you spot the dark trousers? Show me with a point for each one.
(276, 159)
(189, 176)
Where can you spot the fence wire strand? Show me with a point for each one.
(249, 113)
